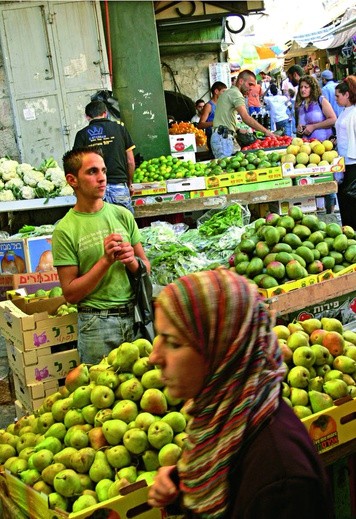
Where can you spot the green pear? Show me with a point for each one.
(45, 421)
(322, 370)
(82, 459)
(42, 487)
(102, 416)
(351, 390)
(169, 455)
(136, 440)
(350, 336)
(58, 430)
(115, 488)
(89, 412)
(67, 483)
(95, 370)
(40, 460)
(77, 439)
(316, 384)
(64, 456)
(281, 331)
(18, 466)
(152, 378)
(83, 502)
(176, 420)
(144, 346)
(6, 451)
(100, 468)
(331, 324)
(30, 476)
(296, 340)
(350, 351)
(285, 389)
(344, 364)
(147, 476)
(114, 431)
(319, 401)
(321, 354)
(55, 500)
(127, 355)
(144, 420)
(304, 356)
(9, 439)
(302, 411)
(108, 378)
(102, 489)
(125, 410)
(102, 396)
(118, 456)
(8, 462)
(51, 443)
(73, 417)
(128, 473)
(335, 388)
(26, 440)
(298, 396)
(348, 379)
(150, 459)
(333, 374)
(79, 376)
(60, 408)
(131, 389)
(299, 376)
(49, 472)
(141, 366)
(287, 401)
(81, 396)
(86, 482)
(49, 401)
(309, 325)
(153, 401)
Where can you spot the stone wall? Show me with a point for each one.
(8, 144)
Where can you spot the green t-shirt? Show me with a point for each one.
(78, 239)
(225, 111)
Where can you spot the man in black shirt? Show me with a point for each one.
(117, 147)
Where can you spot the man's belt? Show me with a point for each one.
(223, 130)
(125, 310)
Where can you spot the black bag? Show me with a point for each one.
(143, 313)
(245, 139)
(351, 189)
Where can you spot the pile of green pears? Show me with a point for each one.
(110, 425)
(320, 363)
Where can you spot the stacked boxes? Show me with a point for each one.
(183, 146)
(21, 255)
(41, 347)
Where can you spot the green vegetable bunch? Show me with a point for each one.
(232, 215)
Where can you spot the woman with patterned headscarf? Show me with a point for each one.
(246, 456)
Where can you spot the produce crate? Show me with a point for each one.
(175, 185)
(184, 142)
(334, 426)
(8, 508)
(38, 365)
(244, 177)
(307, 205)
(20, 410)
(149, 188)
(313, 179)
(219, 191)
(32, 281)
(337, 166)
(30, 325)
(132, 503)
(171, 197)
(31, 396)
(257, 186)
(185, 156)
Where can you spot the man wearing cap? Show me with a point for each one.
(328, 90)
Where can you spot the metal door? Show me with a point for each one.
(55, 58)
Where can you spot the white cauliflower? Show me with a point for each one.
(23, 168)
(6, 195)
(8, 169)
(66, 190)
(56, 175)
(46, 185)
(1, 185)
(32, 177)
(27, 193)
(14, 182)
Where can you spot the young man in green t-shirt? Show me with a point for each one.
(93, 245)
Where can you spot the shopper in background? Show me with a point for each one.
(328, 90)
(294, 73)
(278, 106)
(117, 146)
(266, 81)
(345, 126)
(317, 75)
(231, 102)
(254, 99)
(247, 455)
(208, 113)
(93, 245)
(199, 105)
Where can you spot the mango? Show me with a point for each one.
(276, 269)
(294, 270)
(293, 240)
(340, 243)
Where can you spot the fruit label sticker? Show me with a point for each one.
(323, 432)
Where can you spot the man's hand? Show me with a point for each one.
(118, 250)
(163, 492)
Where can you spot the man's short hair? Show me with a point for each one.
(218, 85)
(199, 101)
(273, 89)
(245, 74)
(73, 159)
(95, 108)
(295, 68)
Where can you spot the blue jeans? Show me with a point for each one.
(221, 147)
(285, 125)
(119, 194)
(98, 335)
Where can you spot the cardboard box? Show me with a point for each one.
(20, 410)
(332, 427)
(32, 281)
(131, 503)
(42, 364)
(244, 177)
(289, 286)
(14, 256)
(170, 197)
(149, 188)
(307, 205)
(184, 157)
(313, 179)
(257, 186)
(176, 185)
(40, 257)
(29, 325)
(219, 191)
(183, 143)
(31, 396)
(337, 166)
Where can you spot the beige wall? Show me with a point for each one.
(7, 126)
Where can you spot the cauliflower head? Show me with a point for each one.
(8, 169)
(56, 175)
(6, 195)
(32, 177)
(66, 190)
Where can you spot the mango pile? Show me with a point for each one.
(110, 425)
(277, 249)
(320, 361)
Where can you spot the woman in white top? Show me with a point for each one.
(345, 93)
(277, 106)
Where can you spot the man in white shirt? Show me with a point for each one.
(199, 105)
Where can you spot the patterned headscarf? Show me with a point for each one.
(223, 317)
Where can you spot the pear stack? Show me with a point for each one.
(320, 363)
(110, 425)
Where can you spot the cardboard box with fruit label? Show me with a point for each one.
(185, 157)
(244, 177)
(333, 426)
(31, 281)
(313, 179)
(14, 256)
(257, 186)
(131, 503)
(42, 364)
(33, 324)
(183, 143)
(149, 188)
(220, 191)
(31, 396)
(185, 184)
(170, 197)
(336, 166)
(40, 257)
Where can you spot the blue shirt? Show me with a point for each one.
(328, 92)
